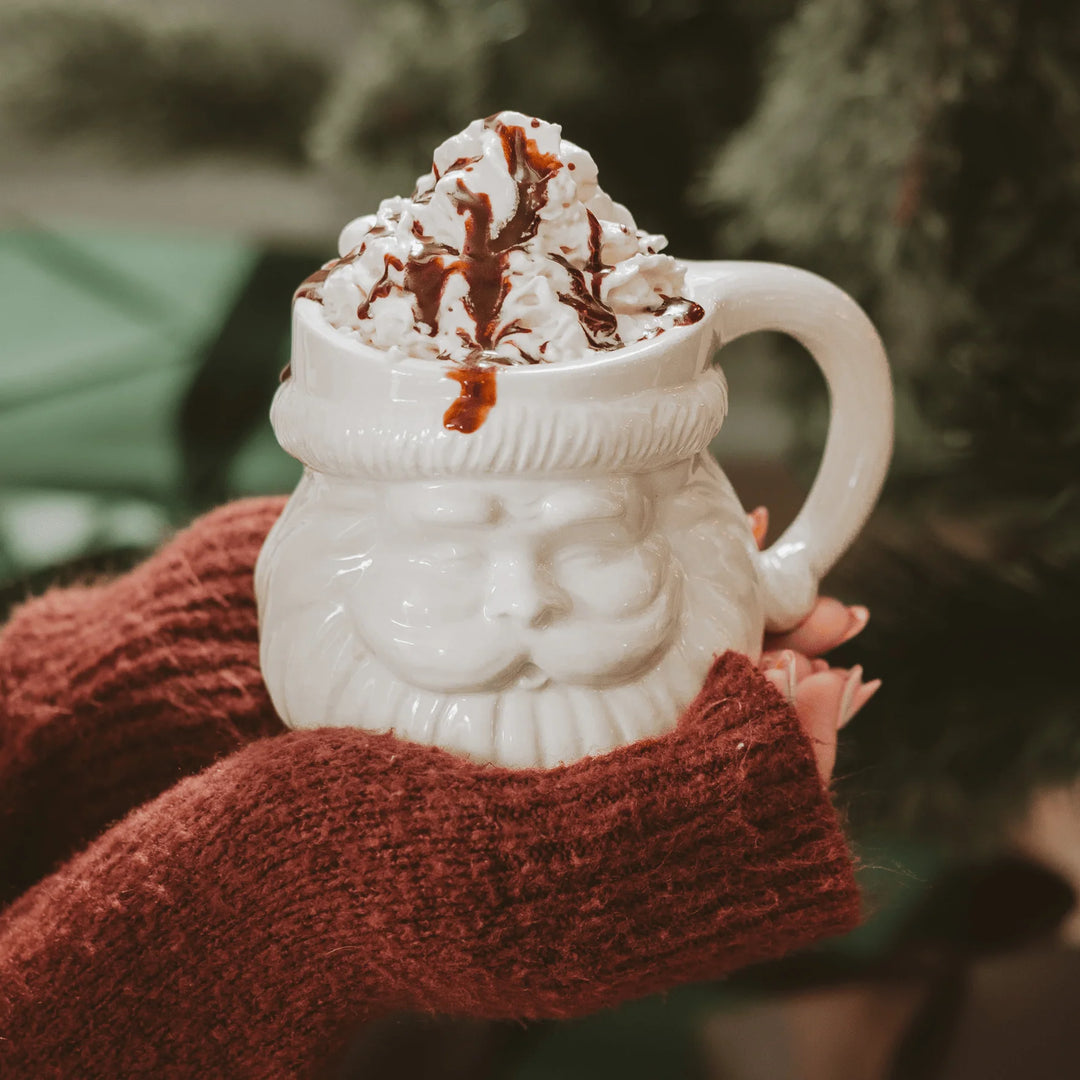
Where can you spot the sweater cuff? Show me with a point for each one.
(738, 852)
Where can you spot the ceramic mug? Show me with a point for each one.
(556, 582)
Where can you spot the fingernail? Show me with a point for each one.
(785, 663)
(789, 669)
(780, 677)
(759, 523)
(847, 699)
(862, 695)
(859, 616)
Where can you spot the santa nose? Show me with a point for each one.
(523, 591)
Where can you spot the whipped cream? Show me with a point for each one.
(507, 252)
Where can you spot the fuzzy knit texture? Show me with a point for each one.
(193, 891)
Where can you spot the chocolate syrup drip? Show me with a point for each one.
(308, 289)
(474, 401)
(383, 287)
(684, 310)
(485, 256)
(594, 263)
(597, 320)
(515, 326)
(462, 163)
(530, 170)
(484, 261)
(481, 264)
(426, 278)
(286, 373)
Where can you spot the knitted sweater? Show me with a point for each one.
(194, 891)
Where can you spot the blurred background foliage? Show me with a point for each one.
(171, 170)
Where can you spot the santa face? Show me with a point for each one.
(519, 621)
(482, 585)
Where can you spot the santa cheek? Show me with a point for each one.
(423, 586)
(460, 655)
(442, 605)
(601, 653)
(415, 613)
(611, 584)
(614, 642)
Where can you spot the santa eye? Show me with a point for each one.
(607, 579)
(450, 558)
(584, 557)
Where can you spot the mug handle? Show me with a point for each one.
(742, 297)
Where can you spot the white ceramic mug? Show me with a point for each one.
(556, 582)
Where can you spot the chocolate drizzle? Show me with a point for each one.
(483, 262)
(684, 311)
(425, 278)
(485, 256)
(460, 163)
(599, 322)
(383, 287)
(474, 401)
(308, 289)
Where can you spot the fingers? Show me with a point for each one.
(824, 698)
(792, 663)
(781, 673)
(828, 625)
(817, 705)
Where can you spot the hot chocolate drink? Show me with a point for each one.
(508, 252)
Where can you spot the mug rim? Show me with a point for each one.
(671, 358)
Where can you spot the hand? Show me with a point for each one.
(824, 698)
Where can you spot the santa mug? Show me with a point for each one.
(539, 563)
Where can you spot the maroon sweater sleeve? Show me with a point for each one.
(240, 922)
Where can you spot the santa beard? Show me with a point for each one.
(517, 727)
(320, 673)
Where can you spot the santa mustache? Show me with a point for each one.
(583, 650)
(604, 651)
